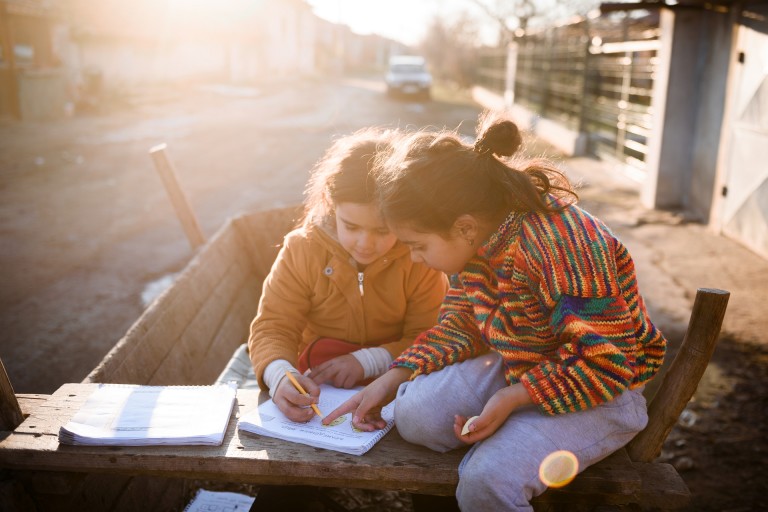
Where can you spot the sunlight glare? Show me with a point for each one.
(403, 20)
(558, 468)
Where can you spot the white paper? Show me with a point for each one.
(267, 420)
(213, 501)
(131, 415)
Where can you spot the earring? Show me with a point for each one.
(471, 241)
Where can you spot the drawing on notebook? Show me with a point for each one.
(341, 435)
(338, 421)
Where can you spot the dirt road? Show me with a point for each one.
(86, 224)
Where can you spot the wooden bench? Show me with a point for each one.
(188, 335)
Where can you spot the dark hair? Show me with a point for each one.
(432, 178)
(344, 174)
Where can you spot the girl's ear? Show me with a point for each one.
(466, 227)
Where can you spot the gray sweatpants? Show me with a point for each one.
(502, 472)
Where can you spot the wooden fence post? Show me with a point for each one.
(681, 379)
(178, 199)
(10, 411)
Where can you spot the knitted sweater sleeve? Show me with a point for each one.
(571, 269)
(455, 338)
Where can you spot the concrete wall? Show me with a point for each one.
(688, 107)
(714, 59)
(275, 40)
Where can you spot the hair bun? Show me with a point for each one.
(497, 135)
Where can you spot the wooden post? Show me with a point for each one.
(10, 411)
(176, 194)
(6, 45)
(681, 379)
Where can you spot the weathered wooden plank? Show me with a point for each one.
(13, 496)
(663, 488)
(612, 481)
(391, 464)
(142, 352)
(162, 339)
(682, 378)
(183, 364)
(157, 328)
(72, 491)
(166, 495)
(29, 401)
(139, 354)
(263, 234)
(95, 491)
(174, 497)
(234, 330)
(10, 411)
(51, 491)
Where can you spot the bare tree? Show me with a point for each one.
(513, 15)
(509, 14)
(451, 48)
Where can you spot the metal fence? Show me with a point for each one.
(594, 77)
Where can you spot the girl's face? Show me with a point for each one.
(448, 255)
(362, 232)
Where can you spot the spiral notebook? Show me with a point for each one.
(132, 415)
(341, 436)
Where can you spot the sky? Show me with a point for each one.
(403, 20)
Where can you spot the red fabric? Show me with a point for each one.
(324, 349)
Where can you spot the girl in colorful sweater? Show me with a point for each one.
(543, 341)
(341, 276)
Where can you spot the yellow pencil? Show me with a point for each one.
(301, 390)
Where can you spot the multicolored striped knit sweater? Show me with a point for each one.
(556, 295)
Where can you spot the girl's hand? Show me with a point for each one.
(343, 372)
(293, 404)
(366, 404)
(494, 414)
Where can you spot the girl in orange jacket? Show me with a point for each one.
(341, 274)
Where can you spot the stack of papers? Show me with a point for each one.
(130, 415)
(216, 501)
(341, 436)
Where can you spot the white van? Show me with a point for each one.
(407, 74)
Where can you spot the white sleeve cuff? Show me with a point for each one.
(275, 372)
(375, 361)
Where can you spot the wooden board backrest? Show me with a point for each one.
(187, 335)
(10, 410)
(155, 336)
(263, 233)
(680, 381)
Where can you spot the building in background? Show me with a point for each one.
(62, 56)
(34, 82)
(679, 97)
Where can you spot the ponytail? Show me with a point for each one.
(432, 178)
